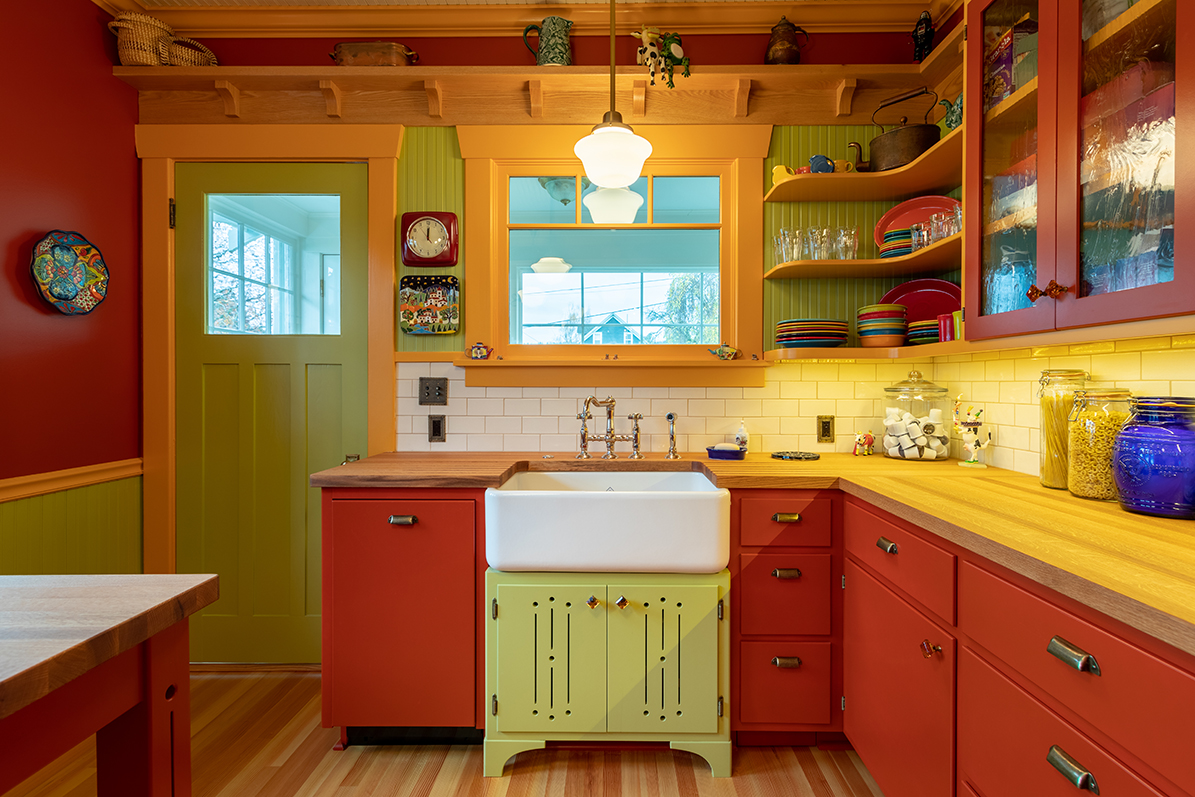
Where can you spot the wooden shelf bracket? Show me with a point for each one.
(231, 96)
(535, 90)
(331, 97)
(846, 95)
(639, 99)
(435, 98)
(742, 98)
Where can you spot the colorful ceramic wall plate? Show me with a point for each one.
(429, 305)
(69, 272)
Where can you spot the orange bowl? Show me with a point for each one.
(881, 341)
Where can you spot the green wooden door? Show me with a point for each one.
(271, 386)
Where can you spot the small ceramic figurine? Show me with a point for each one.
(480, 351)
(968, 427)
(672, 55)
(863, 444)
(954, 112)
(662, 52)
(648, 53)
(923, 37)
(725, 352)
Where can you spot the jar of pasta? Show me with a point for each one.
(1057, 394)
(1095, 420)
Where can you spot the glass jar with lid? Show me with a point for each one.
(916, 420)
(1153, 458)
(1057, 394)
(1095, 420)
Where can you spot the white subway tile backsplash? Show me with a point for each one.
(684, 392)
(707, 407)
(413, 370)
(744, 407)
(504, 392)
(724, 392)
(541, 425)
(521, 406)
(520, 442)
(770, 390)
(835, 390)
(819, 372)
(406, 388)
(458, 389)
(485, 406)
(563, 407)
(999, 370)
(502, 425)
(445, 369)
(798, 390)
(541, 392)
(482, 442)
(650, 392)
(1016, 392)
(1124, 366)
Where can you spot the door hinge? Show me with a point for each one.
(494, 705)
(719, 610)
(844, 702)
(172, 213)
(844, 580)
(719, 705)
(494, 609)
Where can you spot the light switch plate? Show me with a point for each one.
(825, 428)
(433, 390)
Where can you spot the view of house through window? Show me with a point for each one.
(273, 264)
(652, 279)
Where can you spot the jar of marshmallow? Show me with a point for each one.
(916, 420)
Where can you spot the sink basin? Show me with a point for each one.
(608, 521)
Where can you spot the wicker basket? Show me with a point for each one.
(177, 51)
(137, 37)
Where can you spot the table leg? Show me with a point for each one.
(146, 752)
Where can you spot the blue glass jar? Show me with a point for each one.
(1153, 459)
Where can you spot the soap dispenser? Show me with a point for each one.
(741, 437)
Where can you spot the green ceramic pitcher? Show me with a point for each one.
(554, 47)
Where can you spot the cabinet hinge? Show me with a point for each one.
(494, 609)
(172, 213)
(719, 610)
(719, 705)
(844, 580)
(494, 705)
(964, 32)
(844, 702)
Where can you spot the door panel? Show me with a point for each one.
(258, 413)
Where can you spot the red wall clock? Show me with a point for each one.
(429, 238)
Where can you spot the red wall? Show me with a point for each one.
(70, 386)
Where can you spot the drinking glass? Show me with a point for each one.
(846, 243)
(821, 243)
(920, 236)
(939, 226)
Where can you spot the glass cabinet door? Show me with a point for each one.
(1009, 192)
(1117, 160)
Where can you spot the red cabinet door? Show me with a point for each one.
(784, 593)
(899, 704)
(399, 614)
(785, 681)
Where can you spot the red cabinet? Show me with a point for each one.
(898, 678)
(786, 682)
(400, 612)
(784, 593)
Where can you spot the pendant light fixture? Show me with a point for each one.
(612, 154)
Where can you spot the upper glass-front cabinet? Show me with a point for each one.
(1073, 174)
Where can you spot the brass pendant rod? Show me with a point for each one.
(611, 57)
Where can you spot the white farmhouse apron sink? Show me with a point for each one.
(609, 522)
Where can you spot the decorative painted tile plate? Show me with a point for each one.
(429, 305)
(69, 272)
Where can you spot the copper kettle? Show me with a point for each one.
(783, 47)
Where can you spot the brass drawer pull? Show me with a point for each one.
(886, 545)
(786, 662)
(1072, 770)
(403, 520)
(786, 572)
(787, 517)
(1078, 658)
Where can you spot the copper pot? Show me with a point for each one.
(783, 47)
(905, 143)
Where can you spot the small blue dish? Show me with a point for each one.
(726, 453)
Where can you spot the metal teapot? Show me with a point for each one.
(783, 47)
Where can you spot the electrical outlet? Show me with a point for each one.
(433, 390)
(825, 428)
(437, 429)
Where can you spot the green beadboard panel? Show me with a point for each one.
(821, 298)
(431, 176)
(93, 529)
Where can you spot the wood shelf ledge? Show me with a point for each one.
(940, 257)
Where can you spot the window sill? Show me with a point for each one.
(612, 373)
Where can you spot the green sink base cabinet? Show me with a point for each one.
(567, 660)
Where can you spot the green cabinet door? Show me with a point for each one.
(551, 658)
(663, 659)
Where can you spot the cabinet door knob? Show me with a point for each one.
(1076, 657)
(403, 520)
(1072, 770)
(622, 602)
(786, 572)
(886, 545)
(928, 649)
(1052, 290)
(786, 662)
(593, 602)
(787, 517)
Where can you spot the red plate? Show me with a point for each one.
(927, 298)
(912, 211)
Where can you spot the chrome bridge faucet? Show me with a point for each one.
(609, 438)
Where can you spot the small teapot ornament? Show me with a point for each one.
(480, 351)
(725, 352)
(954, 112)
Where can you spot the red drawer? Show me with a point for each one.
(772, 693)
(775, 600)
(1005, 736)
(1141, 701)
(760, 526)
(920, 568)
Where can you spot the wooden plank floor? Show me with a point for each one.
(258, 734)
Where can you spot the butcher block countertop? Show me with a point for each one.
(1137, 569)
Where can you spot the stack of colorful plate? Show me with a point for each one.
(798, 333)
(923, 332)
(897, 243)
(882, 325)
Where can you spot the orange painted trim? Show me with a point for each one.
(68, 479)
(383, 210)
(617, 374)
(268, 142)
(669, 142)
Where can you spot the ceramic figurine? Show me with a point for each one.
(725, 352)
(967, 424)
(864, 441)
(954, 112)
(480, 351)
(648, 53)
(923, 37)
(554, 49)
(671, 56)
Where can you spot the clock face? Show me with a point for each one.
(427, 237)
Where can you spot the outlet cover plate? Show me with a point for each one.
(825, 428)
(437, 429)
(433, 390)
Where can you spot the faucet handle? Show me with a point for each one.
(585, 416)
(635, 416)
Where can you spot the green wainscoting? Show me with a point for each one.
(431, 176)
(822, 298)
(93, 529)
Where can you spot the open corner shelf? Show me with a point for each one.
(941, 257)
(862, 353)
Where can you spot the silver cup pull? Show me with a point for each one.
(886, 545)
(1072, 770)
(1075, 657)
(402, 520)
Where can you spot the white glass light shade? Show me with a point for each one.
(613, 156)
(613, 205)
(550, 265)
